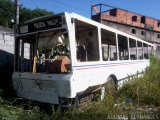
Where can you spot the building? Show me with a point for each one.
(143, 27)
(7, 42)
(6, 57)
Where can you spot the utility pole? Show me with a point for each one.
(17, 11)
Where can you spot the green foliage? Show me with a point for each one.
(60, 50)
(7, 13)
(146, 89)
(28, 14)
(10, 112)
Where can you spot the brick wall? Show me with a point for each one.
(126, 21)
(125, 17)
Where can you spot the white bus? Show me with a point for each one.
(65, 58)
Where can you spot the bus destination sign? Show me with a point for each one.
(46, 24)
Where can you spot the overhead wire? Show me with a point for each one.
(61, 3)
(70, 6)
(34, 3)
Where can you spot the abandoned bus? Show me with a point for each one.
(64, 58)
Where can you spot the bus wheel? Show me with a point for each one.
(110, 87)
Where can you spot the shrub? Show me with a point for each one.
(146, 89)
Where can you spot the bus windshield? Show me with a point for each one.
(45, 52)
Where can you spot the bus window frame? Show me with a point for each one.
(129, 39)
(141, 55)
(118, 34)
(115, 34)
(35, 47)
(98, 42)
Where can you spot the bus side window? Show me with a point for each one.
(81, 53)
(150, 50)
(140, 50)
(133, 49)
(145, 51)
(87, 42)
(109, 49)
(123, 47)
(105, 52)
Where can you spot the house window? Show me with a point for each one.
(158, 35)
(142, 32)
(113, 12)
(133, 31)
(134, 18)
(143, 19)
(158, 24)
(158, 47)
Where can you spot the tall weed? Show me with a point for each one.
(145, 90)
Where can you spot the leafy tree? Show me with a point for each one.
(7, 12)
(27, 14)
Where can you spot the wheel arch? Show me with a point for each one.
(112, 76)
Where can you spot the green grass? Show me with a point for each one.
(137, 94)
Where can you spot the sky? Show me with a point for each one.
(149, 8)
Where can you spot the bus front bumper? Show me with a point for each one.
(43, 88)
